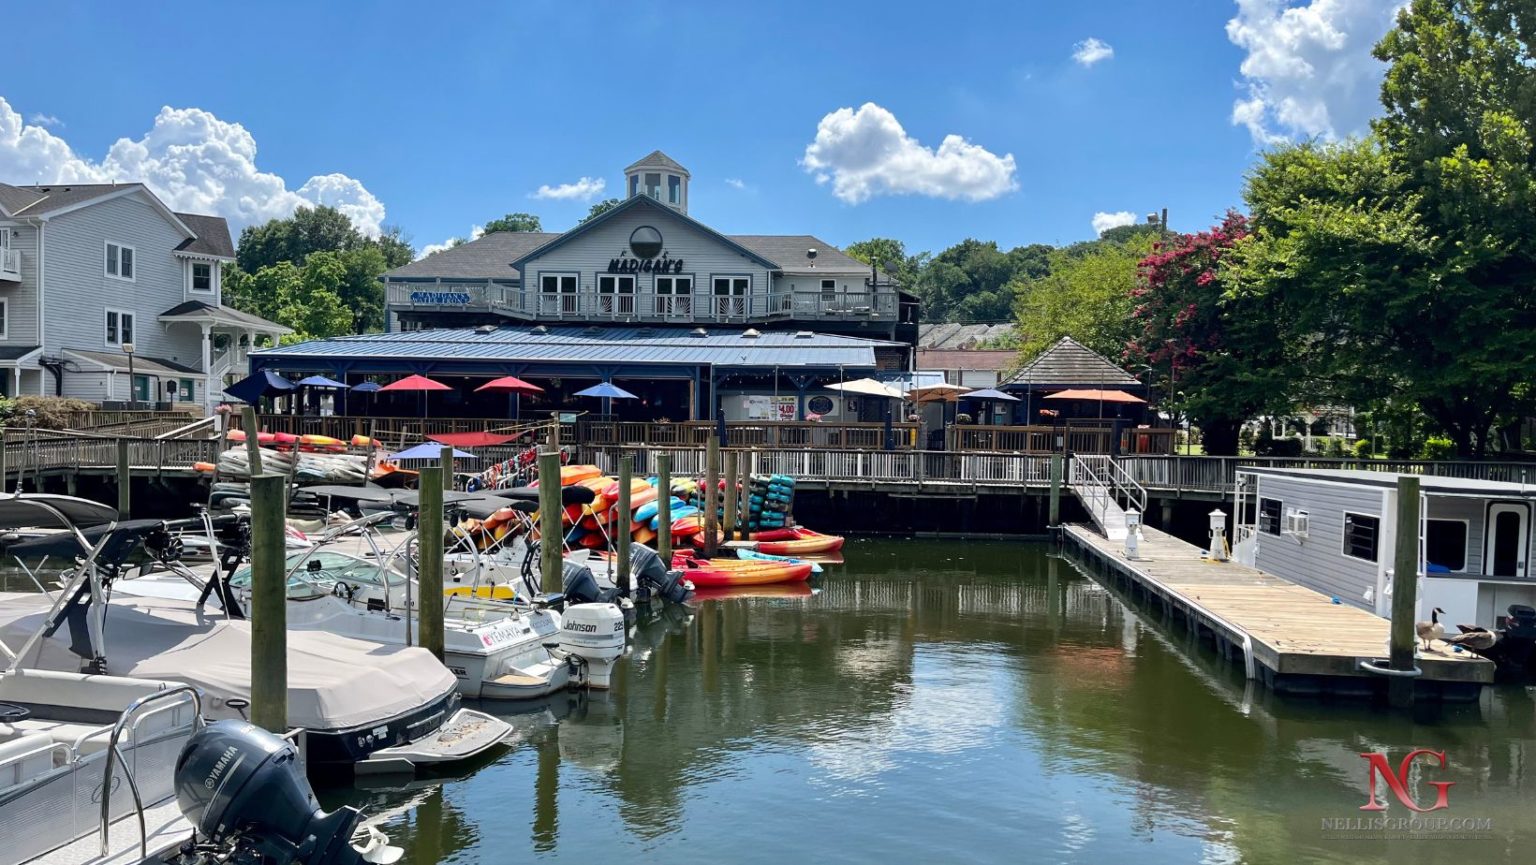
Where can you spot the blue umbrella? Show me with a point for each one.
(321, 381)
(367, 387)
(988, 393)
(428, 451)
(608, 390)
(265, 383)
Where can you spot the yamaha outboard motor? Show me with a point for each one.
(244, 792)
(651, 573)
(582, 588)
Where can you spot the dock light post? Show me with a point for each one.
(1132, 532)
(133, 392)
(1218, 535)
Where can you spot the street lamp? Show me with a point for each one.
(133, 392)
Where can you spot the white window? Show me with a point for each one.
(119, 327)
(202, 276)
(616, 294)
(5, 319)
(120, 261)
(731, 295)
(557, 294)
(674, 296)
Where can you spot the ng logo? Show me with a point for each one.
(1397, 781)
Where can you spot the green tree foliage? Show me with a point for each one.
(514, 222)
(600, 208)
(1084, 293)
(395, 246)
(308, 299)
(310, 229)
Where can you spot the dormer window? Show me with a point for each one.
(202, 276)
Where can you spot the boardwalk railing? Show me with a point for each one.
(851, 466)
(1109, 473)
(1200, 474)
(46, 455)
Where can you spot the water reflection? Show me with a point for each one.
(934, 694)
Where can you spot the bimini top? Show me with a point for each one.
(43, 511)
(1427, 483)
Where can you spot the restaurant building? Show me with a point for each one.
(645, 296)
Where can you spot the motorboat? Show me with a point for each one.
(361, 704)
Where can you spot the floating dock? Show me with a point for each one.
(1294, 640)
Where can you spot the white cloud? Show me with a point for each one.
(1309, 70)
(1092, 50)
(866, 152)
(192, 160)
(474, 234)
(38, 118)
(585, 189)
(1103, 221)
(735, 183)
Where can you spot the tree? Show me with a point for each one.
(395, 246)
(310, 229)
(360, 290)
(599, 209)
(309, 300)
(514, 222)
(1086, 295)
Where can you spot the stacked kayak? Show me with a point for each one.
(719, 573)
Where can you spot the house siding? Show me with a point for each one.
(21, 298)
(80, 292)
(1318, 561)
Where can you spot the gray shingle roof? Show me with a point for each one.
(789, 252)
(14, 198)
(212, 235)
(56, 196)
(14, 352)
(596, 345)
(1069, 362)
(141, 363)
(489, 257)
(226, 314)
(949, 335)
(657, 159)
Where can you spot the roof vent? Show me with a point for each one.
(811, 253)
(486, 328)
(539, 328)
(803, 334)
(698, 331)
(751, 333)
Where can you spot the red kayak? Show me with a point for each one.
(713, 573)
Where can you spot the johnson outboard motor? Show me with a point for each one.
(244, 792)
(651, 575)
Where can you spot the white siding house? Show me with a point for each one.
(92, 273)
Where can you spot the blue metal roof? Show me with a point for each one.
(725, 348)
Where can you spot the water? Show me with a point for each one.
(948, 701)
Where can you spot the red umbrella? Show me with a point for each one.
(418, 383)
(509, 384)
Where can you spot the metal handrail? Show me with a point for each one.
(1099, 486)
(133, 787)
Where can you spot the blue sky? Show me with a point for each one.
(440, 118)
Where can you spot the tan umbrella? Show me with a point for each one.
(937, 393)
(866, 387)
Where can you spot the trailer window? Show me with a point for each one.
(1360, 536)
(1269, 516)
(1445, 544)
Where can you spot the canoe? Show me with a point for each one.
(706, 573)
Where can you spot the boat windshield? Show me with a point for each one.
(316, 574)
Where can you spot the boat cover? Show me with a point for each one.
(334, 682)
(32, 510)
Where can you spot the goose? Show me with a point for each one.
(1431, 630)
(1474, 637)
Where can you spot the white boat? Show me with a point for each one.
(374, 707)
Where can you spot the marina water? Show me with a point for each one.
(946, 701)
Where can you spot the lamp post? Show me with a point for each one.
(133, 391)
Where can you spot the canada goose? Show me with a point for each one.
(1474, 637)
(1431, 630)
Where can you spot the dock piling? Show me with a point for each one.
(446, 455)
(551, 540)
(1056, 475)
(252, 446)
(664, 508)
(269, 604)
(732, 471)
(622, 530)
(711, 494)
(124, 481)
(1405, 590)
(429, 572)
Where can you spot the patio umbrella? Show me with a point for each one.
(989, 395)
(867, 387)
(607, 390)
(428, 451)
(937, 393)
(417, 383)
(264, 383)
(509, 384)
(322, 382)
(367, 387)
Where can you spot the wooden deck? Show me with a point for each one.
(1300, 641)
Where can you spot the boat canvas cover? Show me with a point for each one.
(334, 682)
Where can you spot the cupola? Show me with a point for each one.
(661, 177)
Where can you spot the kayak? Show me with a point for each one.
(711, 573)
(805, 543)
(754, 556)
(636, 485)
(772, 590)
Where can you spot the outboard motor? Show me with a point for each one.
(244, 792)
(652, 573)
(594, 634)
(582, 588)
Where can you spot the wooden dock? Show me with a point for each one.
(1291, 638)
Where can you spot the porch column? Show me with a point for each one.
(16, 381)
(208, 385)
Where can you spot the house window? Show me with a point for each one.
(1445, 544)
(609, 285)
(829, 289)
(202, 276)
(1269, 516)
(614, 284)
(119, 327)
(674, 189)
(558, 283)
(1360, 536)
(634, 185)
(674, 295)
(653, 186)
(5, 319)
(728, 286)
(120, 261)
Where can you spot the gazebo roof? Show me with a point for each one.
(1069, 362)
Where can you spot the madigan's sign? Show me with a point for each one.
(665, 264)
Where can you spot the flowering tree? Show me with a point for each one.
(1220, 356)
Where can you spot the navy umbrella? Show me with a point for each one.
(367, 387)
(264, 383)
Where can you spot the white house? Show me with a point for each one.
(93, 273)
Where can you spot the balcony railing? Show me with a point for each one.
(878, 304)
(10, 264)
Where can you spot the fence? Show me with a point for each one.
(44, 454)
(850, 466)
(1218, 474)
(1089, 438)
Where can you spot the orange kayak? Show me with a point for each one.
(806, 542)
(712, 573)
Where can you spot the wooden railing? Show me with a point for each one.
(1091, 437)
(867, 466)
(99, 418)
(1203, 474)
(52, 454)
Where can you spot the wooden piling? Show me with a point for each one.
(429, 571)
(269, 604)
(551, 539)
(446, 456)
(372, 451)
(732, 465)
(711, 495)
(124, 481)
(622, 530)
(1405, 589)
(664, 508)
(252, 446)
(1056, 474)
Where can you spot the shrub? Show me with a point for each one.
(50, 412)
(1437, 448)
(1289, 446)
(1245, 439)
(1336, 447)
(1363, 448)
